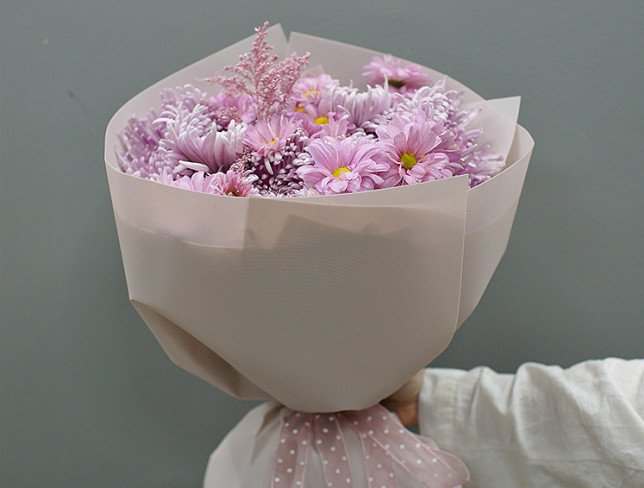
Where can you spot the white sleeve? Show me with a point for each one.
(543, 426)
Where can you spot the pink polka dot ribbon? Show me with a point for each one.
(386, 443)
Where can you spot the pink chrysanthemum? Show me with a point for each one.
(400, 78)
(410, 147)
(453, 124)
(319, 122)
(232, 183)
(140, 153)
(228, 107)
(193, 142)
(361, 106)
(269, 136)
(343, 166)
(198, 181)
(308, 90)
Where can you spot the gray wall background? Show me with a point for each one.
(88, 397)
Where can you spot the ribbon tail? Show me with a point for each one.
(457, 470)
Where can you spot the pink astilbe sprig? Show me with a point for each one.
(261, 75)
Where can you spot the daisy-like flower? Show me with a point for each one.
(232, 183)
(410, 147)
(269, 136)
(319, 122)
(198, 181)
(343, 166)
(402, 79)
(308, 90)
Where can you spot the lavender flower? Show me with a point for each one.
(308, 90)
(411, 149)
(140, 153)
(198, 181)
(343, 166)
(399, 78)
(232, 183)
(228, 107)
(193, 142)
(360, 106)
(458, 139)
(269, 136)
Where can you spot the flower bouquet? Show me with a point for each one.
(312, 230)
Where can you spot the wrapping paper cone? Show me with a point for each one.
(326, 303)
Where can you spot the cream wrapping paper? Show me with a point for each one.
(326, 303)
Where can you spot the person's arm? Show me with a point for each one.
(543, 426)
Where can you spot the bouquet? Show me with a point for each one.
(277, 131)
(312, 230)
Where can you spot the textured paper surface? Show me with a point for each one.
(327, 303)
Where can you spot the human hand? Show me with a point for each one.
(404, 401)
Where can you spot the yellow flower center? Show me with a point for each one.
(396, 83)
(273, 141)
(299, 108)
(308, 93)
(321, 120)
(408, 160)
(340, 170)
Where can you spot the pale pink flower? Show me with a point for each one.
(343, 166)
(361, 106)
(198, 181)
(308, 90)
(228, 107)
(400, 78)
(269, 136)
(410, 147)
(317, 122)
(232, 183)
(140, 153)
(192, 140)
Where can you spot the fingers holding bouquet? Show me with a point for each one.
(404, 401)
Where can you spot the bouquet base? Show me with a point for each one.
(273, 446)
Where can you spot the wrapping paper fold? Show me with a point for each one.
(326, 303)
